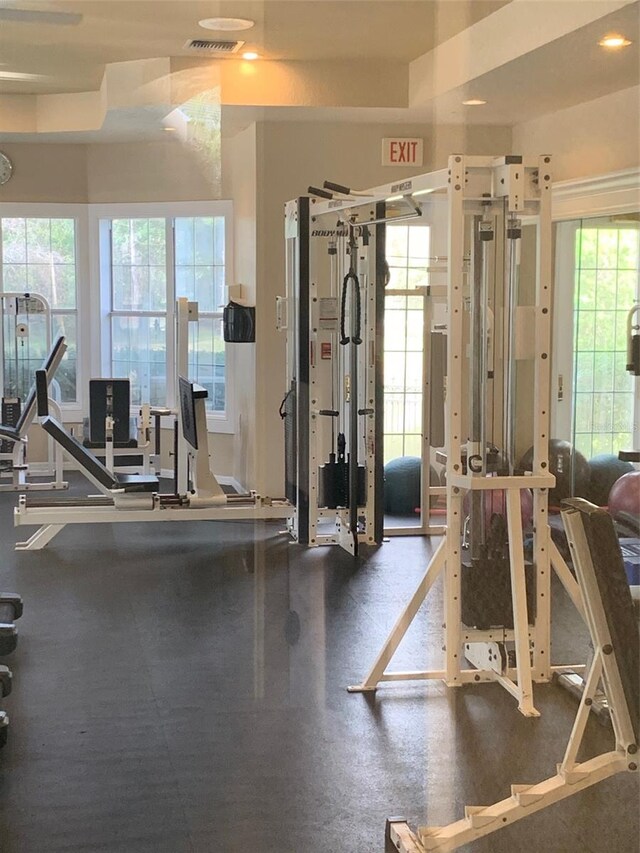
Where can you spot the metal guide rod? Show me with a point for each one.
(510, 306)
(476, 452)
(355, 319)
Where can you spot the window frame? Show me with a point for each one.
(71, 412)
(100, 216)
(573, 201)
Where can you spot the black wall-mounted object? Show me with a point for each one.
(239, 322)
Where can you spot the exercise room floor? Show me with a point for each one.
(181, 687)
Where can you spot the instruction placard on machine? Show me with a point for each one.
(328, 314)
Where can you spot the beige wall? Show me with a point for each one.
(292, 156)
(48, 173)
(149, 171)
(241, 175)
(593, 138)
(110, 172)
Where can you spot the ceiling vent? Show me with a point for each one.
(209, 46)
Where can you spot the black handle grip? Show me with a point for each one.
(336, 188)
(320, 193)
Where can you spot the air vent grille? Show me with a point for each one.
(214, 45)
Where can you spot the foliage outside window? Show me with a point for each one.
(153, 262)
(606, 288)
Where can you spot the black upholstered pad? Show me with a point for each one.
(86, 460)
(137, 482)
(82, 456)
(12, 433)
(616, 598)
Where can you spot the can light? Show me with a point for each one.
(474, 102)
(614, 41)
(250, 55)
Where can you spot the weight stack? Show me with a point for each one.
(333, 485)
(11, 408)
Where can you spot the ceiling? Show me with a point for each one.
(329, 60)
(73, 58)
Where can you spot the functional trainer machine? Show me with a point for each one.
(332, 410)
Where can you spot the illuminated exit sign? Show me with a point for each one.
(398, 151)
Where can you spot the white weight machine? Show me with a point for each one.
(136, 498)
(25, 342)
(333, 315)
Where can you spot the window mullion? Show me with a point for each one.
(171, 307)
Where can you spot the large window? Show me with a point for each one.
(407, 256)
(38, 255)
(606, 287)
(153, 261)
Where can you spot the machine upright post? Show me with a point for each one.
(453, 418)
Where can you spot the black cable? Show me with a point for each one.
(344, 338)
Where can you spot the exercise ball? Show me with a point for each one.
(495, 503)
(624, 498)
(605, 469)
(402, 484)
(561, 456)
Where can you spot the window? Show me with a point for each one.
(606, 287)
(152, 261)
(407, 255)
(39, 256)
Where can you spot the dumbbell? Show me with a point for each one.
(4, 728)
(5, 689)
(10, 610)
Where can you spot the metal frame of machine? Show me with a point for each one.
(14, 466)
(600, 587)
(483, 195)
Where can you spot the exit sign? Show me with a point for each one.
(397, 151)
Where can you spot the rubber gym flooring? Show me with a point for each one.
(180, 688)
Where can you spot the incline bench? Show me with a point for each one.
(611, 619)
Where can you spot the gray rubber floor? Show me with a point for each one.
(181, 687)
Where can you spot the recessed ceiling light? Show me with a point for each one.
(226, 24)
(614, 40)
(250, 55)
(169, 129)
(474, 102)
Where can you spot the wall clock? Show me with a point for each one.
(6, 168)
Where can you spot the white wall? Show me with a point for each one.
(593, 138)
